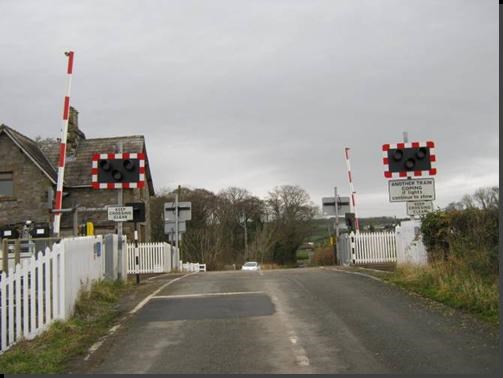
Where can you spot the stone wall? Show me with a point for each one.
(97, 198)
(30, 197)
(30, 187)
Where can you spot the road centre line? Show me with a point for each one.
(206, 294)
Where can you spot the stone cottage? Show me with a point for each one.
(28, 176)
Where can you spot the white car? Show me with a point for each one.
(251, 265)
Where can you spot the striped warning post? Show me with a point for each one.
(352, 189)
(58, 201)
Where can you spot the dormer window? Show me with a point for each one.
(6, 184)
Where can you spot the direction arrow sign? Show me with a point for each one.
(419, 208)
(411, 190)
(120, 213)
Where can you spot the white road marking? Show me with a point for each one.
(112, 330)
(298, 351)
(302, 360)
(356, 273)
(93, 348)
(144, 302)
(206, 294)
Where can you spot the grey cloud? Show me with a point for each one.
(264, 92)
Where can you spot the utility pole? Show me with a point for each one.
(177, 199)
(336, 223)
(120, 194)
(245, 226)
(120, 202)
(405, 136)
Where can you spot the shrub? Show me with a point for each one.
(323, 256)
(434, 228)
(469, 235)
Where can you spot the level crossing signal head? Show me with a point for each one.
(118, 171)
(409, 159)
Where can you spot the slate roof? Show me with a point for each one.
(31, 149)
(78, 166)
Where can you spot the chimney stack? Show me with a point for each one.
(75, 135)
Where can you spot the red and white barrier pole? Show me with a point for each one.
(58, 202)
(352, 189)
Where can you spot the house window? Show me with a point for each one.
(6, 184)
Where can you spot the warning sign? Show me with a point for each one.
(120, 213)
(411, 190)
(419, 208)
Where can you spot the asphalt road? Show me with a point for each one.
(295, 321)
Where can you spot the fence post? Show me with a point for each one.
(3, 310)
(5, 256)
(353, 247)
(17, 251)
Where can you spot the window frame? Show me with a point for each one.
(11, 179)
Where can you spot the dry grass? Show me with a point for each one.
(271, 266)
(454, 283)
(323, 256)
(50, 352)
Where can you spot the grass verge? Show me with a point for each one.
(50, 352)
(452, 283)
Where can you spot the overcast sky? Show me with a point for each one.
(257, 94)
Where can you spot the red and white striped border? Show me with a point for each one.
(352, 188)
(118, 185)
(58, 201)
(433, 159)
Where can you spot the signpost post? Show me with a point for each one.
(176, 214)
(336, 203)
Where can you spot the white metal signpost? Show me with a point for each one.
(419, 208)
(176, 214)
(411, 190)
(120, 213)
(328, 206)
(170, 227)
(184, 211)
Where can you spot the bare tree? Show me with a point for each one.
(291, 211)
(487, 198)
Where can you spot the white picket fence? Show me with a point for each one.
(45, 287)
(367, 248)
(158, 258)
(192, 267)
(31, 296)
(152, 257)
